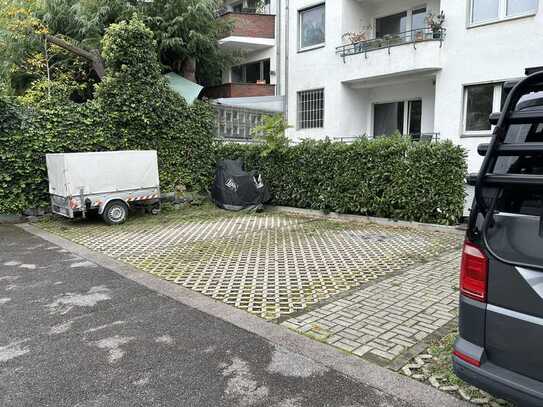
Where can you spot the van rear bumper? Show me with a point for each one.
(501, 382)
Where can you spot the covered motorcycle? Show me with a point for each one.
(235, 189)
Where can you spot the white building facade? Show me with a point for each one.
(416, 80)
(351, 68)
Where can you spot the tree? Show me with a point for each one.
(79, 25)
(187, 32)
(30, 55)
(16, 45)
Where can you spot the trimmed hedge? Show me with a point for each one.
(133, 109)
(386, 177)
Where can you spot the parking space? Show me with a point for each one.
(271, 265)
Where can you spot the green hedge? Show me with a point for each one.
(387, 177)
(133, 109)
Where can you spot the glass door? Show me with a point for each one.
(388, 118)
(414, 119)
(418, 24)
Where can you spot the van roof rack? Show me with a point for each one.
(497, 147)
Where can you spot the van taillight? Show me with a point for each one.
(473, 272)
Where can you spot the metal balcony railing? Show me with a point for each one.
(392, 40)
(424, 137)
(237, 124)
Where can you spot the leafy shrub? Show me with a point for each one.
(133, 109)
(272, 133)
(387, 177)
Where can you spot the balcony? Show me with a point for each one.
(413, 37)
(250, 31)
(400, 57)
(237, 90)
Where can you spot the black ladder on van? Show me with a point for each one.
(498, 148)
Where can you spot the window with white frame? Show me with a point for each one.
(483, 11)
(253, 72)
(403, 117)
(480, 101)
(311, 109)
(312, 27)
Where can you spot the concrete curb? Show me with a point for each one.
(6, 219)
(313, 213)
(414, 393)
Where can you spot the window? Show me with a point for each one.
(312, 27)
(311, 109)
(403, 117)
(479, 102)
(414, 120)
(483, 11)
(251, 6)
(515, 7)
(252, 72)
(418, 19)
(391, 25)
(388, 118)
(396, 24)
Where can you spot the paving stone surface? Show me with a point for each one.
(388, 318)
(270, 265)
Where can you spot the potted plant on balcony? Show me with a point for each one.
(358, 39)
(435, 23)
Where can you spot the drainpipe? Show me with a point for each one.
(286, 51)
(278, 49)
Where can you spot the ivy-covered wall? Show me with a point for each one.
(133, 109)
(386, 177)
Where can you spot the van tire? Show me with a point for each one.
(115, 213)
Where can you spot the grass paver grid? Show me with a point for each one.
(268, 264)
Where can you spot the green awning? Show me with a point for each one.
(189, 90)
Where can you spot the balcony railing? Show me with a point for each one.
(392, 40)
(237, 124)
(424, 137)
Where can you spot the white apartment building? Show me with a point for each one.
(394, 72)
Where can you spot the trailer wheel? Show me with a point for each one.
(115, 213)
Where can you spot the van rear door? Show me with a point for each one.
(514, 245)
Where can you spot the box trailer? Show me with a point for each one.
(106, 182)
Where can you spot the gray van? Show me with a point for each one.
(500, 345)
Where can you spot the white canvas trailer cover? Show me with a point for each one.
(101, 172)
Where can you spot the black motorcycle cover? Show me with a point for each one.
(235, 189)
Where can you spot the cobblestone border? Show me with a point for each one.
(390, 321)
